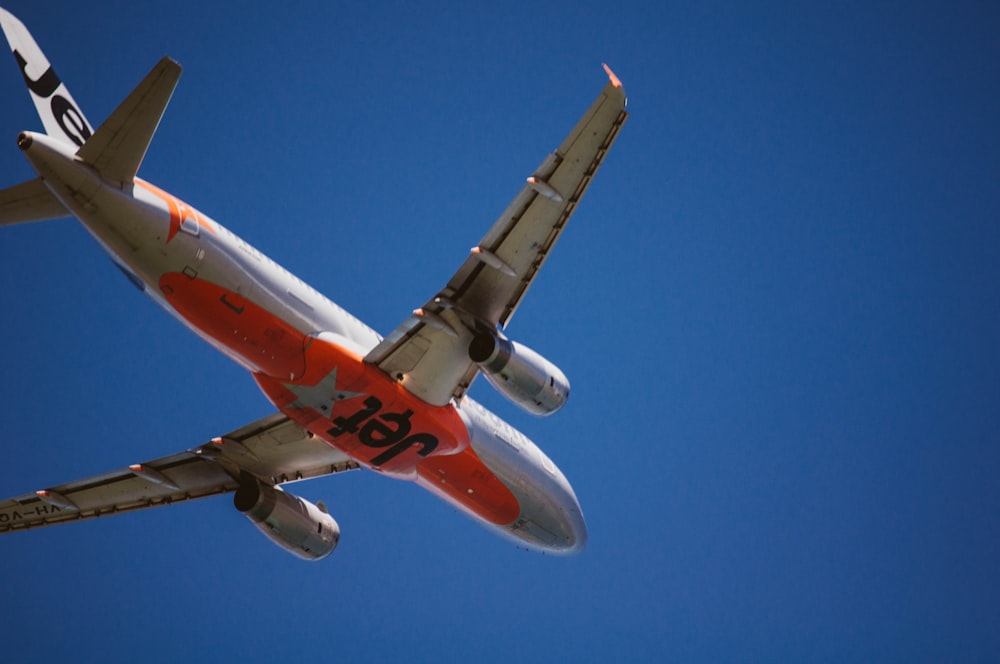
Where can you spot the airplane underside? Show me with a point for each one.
(347, 397)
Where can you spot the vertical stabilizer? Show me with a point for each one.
(59, 112)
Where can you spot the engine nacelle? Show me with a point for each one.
(520, 374)
(293, 523)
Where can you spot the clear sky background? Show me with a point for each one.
(777, 304)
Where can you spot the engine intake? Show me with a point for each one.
(519, 373)
(296, 525)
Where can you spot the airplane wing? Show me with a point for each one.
(275, 449)
(428, 353)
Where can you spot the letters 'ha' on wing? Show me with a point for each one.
(428, 353)
(274, 449)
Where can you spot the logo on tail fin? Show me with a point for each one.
(69, 117)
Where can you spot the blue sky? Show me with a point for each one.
(777, 304)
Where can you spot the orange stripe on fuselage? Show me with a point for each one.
(256, 335)
(463, 479)
(179, 210)
(378, 423)
(387, 429)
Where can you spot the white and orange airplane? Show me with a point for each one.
(347, 398)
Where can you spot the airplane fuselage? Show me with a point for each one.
(302, 348)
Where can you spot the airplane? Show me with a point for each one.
(346, 397)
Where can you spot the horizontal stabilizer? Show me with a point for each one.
(117, 147)
(29, 201)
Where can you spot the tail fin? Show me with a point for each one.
(117, 147)
(60, 115)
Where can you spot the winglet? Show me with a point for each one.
(614, 79)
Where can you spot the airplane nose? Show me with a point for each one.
(561, 527)
(574, 533)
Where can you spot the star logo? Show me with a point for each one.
(321, 396)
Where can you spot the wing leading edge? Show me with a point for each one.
(428, 353)
(274, 449)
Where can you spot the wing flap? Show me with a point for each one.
(275, 449)
(489, 286)
(524, 235)
(116, 492)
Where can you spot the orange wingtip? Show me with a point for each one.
(614, 79)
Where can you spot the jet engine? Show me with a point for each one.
(519, 373)
(293, 523)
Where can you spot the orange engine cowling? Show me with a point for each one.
(296, 525)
